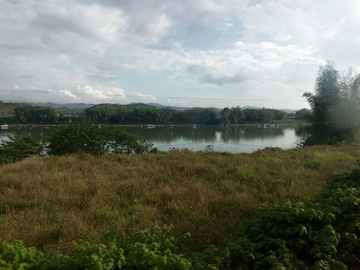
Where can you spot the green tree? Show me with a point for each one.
(335, 107)
(236, 115)
(19, 147)
(225, 114)
(278, 115)
(94, 139)
(302, 114)
(25, 113)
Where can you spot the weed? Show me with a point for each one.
(244, 172)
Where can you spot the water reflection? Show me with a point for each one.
(250, 133)
(232, 139)
(228, 134)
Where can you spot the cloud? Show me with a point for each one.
(185, 18)
(100, 92)
(105, 46)
(69, 94)
(146, 97)
(207, 77)
(34, 87)
(109, 66)
(196, 69)
(101, 77)
(236, 78)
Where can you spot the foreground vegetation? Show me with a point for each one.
(322, 233)
(48, 203)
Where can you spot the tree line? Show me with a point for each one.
(146, 114)
(117, 114)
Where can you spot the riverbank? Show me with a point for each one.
(50, 202)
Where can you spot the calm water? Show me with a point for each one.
(231, 139)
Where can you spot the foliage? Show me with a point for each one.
(69, 112)
(7, 108)
(244, 172)
(26, 113)
(154, 248)
(317, 234)
(141, 113)
(208, 116)
(335, 107)
(322, 233)
(94, 139)
(19, 147)
(51, 202)
(262, 115)
(302, 114)
(16, 256)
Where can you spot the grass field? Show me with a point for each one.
(50, 202)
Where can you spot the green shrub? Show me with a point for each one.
(94, 139)
(16, 256)
(244, 172)
(154, 248)
(87, 256)
(318, 234)
(18, 148)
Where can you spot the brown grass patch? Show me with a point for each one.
(50, 202)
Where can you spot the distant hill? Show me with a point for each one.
(288, 110)
(60, 105)
(157, 105)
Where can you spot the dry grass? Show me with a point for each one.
(50, 202)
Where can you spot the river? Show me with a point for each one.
(234, 139)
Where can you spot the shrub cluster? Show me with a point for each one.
(154, 248)
(322, 233)
(18, 148)
(74, 138)
(95, 139)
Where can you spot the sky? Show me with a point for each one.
(188, 53)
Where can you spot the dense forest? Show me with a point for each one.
(7, 108)
(142, 114)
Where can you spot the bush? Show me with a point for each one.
(18, 148)
(154, 248)
(94, 139)
(318, 234)
(16, 256)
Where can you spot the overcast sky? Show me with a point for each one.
(193, 53)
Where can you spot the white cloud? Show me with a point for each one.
(95, 49)
(69, 94)
(100, 92)
(146, 97)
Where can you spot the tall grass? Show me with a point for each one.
(50, 202)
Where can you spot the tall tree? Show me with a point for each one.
(302, 114)
(335, 107)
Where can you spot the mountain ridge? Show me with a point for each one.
(157, 105)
